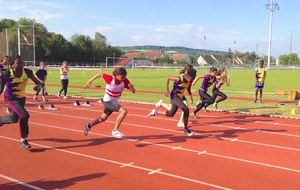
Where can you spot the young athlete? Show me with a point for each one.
(160, 102)
(222, 78)
(3, 66)
(64, 70)
(180, 85)
(205, 98)
(114, 87)
(16, 79)
(260, 76)
(41, 75)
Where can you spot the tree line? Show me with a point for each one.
(52, 47)
(81, 49)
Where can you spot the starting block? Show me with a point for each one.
(50, 107)
(77, 103)
(87, 103)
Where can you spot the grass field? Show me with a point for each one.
(242, 85)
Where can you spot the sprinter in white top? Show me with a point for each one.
(114, 87)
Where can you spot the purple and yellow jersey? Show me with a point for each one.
(15, 86)
(217, 82)
(260, 74)
(208, 80)
(4, 67)
(179, 87)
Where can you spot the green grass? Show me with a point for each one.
(242, 85)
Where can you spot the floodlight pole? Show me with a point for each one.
(271, 7)
(6, 36)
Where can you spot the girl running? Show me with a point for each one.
(41, 75)
(183, 72)
(205, 98)
(114, 87)
(222, 78)
(15, 96)
(180, 85)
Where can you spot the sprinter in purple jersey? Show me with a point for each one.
(180, 85)
(222, 78)
(206, 99)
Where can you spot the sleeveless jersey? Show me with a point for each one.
(16, 86)
(179, 87)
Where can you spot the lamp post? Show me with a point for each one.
(272, 7)
(27, 42)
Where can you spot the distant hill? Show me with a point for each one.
(178, 49)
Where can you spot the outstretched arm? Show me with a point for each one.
(131, 88)
(196, 79)
(168, 81)
(89, 82)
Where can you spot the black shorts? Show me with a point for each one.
(110, 107)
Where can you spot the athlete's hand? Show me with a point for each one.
(87, 85)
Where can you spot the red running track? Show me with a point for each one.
(228, 151)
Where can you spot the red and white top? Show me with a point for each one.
(114, 88)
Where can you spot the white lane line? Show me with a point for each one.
(176, 131)
(154, 171)
(121, 164)
(20, 182)
(184, 149)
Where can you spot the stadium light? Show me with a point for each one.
(272, 7)
(26, 40)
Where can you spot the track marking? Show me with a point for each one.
(158, 171)
(199, 134)
(154, 171)
(184, 149)
(202, 152)
(177, 147)
(125, 165)
(20, 182)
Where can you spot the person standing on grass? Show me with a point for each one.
(115, 85)
(205, 98)
(260, 76)
(16, 79)
(183, 72)
(41, 75)
(222, 78)
(64, 70)
(180, 85)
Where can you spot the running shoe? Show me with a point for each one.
(87, 128)
(58, 95)
(216, 105)
(188, 132)
(193, 115)
(152, 113)
(158, 104)
(24, 144)
(117, 134)
(205, 109)
(65, 97)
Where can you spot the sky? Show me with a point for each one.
(242, 26)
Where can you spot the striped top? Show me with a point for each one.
(208, 80)
(16, 86)
(179, 87)
(114, 88)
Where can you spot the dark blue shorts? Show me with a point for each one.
(259, 86)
